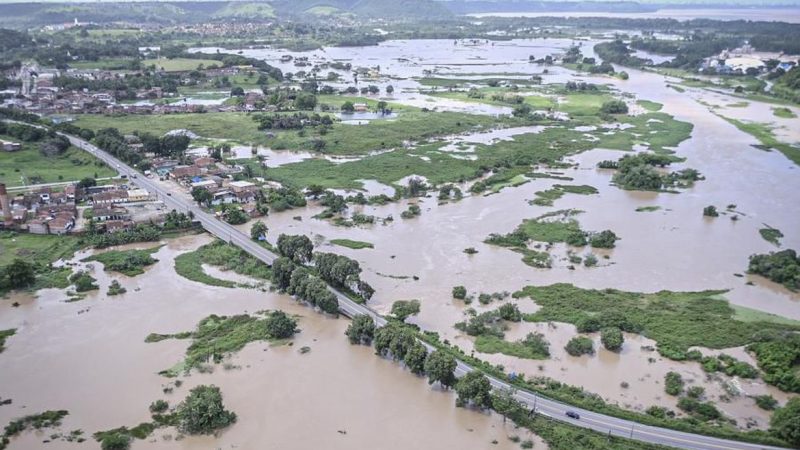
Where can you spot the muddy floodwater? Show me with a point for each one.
(674, 248)
(90, 358)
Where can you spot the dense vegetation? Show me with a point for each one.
(128, 262)
(675, 320)
(217, 336)
(781, 267)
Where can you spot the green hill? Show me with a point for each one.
(246, 10)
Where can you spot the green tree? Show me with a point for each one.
(673, 383)
(258, 230)
(402, 309)
(298, 248)
(440, 367)
(305, 101)
(614, 107)
(361, 330)
(459, 292)
(603, 239)
(202, 412)
(415, 358)
(18, 274)
(348, 107)
(202, 196)
(115, 441)
(505, 404)
(579, 345)
(87, 182)
(282, 269)
(612, 339)
(785, 422)
(474, 388)
(710, 211)
(279, 325)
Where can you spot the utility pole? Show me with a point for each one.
(632, 425)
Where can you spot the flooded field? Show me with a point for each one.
(90, 358)
(674, 248)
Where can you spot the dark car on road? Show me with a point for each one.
(573, 415)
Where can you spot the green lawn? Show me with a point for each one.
(349, 243)
(675, 320)
(763, 133)
(228, 257)
(180, 64)
(34, 248)
(126, 262)
(29, 166)
(783, 112)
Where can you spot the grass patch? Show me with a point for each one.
(546, 198)
(763, 133)
(355, 245)
(675, 320)
(28, 166)
(228, 257)
(771, 235)
(217, 336)
(126, 262)
(525, 348)
(745, 314)
(36, 249)
(180, 64)
(783, 113)
(5, 334)
(650, 106)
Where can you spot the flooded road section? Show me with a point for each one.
(90, 358)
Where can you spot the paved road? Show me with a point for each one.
(556, 410)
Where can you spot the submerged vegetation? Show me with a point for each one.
(126, 262)
(782, 267)
(675, 320)
(217, 336)
(226, 256)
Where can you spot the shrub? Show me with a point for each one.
(612, 339)
(203, 412)
(459, 292)
(673, 383)
(580, 345)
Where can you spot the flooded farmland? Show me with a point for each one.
(90, 358)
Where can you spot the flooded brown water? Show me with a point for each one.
(675, 248)
(89, 357)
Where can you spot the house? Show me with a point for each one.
(69, 191)
(113, 226)
(138, 195)
(37, 226)
(113, 212)
(180, 172)
(110, 197)
(9, 146)
(204, 162)
(205, 184)
(360, 107)
(223, 197)
(61, 224)
(242, 186)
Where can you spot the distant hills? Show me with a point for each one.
(36, 14)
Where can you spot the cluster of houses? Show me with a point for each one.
(38, 92)
(48, 211)
(746, 61)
